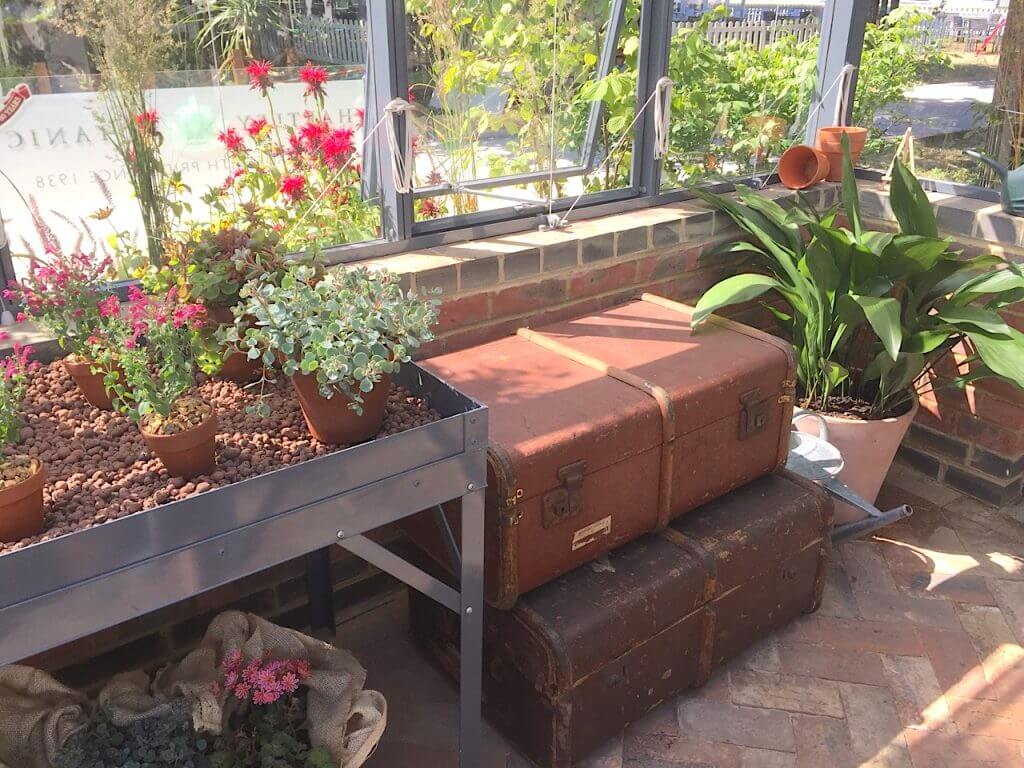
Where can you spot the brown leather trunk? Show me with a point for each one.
(585, 655)
(606, 427)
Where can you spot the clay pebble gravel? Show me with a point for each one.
(100, 468)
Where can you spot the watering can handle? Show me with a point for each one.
(803, 413)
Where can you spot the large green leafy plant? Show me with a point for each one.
(349, 328)
(870, 312)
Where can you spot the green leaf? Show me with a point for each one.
(982, 319)
(883, 315)
(910, 204)
(1003, 355)
(851, 200)
(733, 290)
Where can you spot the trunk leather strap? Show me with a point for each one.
(788, 395)
(660, 395)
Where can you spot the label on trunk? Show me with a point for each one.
(590, 533)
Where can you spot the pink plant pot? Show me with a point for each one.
(868, 449)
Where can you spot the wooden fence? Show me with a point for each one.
(758, 33)
(331, 42)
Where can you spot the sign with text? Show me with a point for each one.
(53, 150)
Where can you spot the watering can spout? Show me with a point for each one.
(998, 167)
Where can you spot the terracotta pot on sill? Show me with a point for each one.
(187, 454)
(868, 449)
(830, 141)
(802, 166)
(331, 420)
(90, 384)
(235, 367)
(21, 506)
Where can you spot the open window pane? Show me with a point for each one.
(944, 85)
(507, 88)
(744, 75)
(140, 142)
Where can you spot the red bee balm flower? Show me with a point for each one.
(147, 121)
(231, 139)
(337, 147)
(256, 126)
(259, 76)
(314, 77)
(293, 187)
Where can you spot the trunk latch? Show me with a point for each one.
(567, 501)
(754, 416)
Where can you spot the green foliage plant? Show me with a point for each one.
(166, 739)
(348, 328)
(869, 312)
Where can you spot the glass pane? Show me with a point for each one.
(743, 80)
(136, 161)
(942, 85)
(506, 88)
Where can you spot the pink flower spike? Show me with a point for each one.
(259, 72)
(293, 187)
(314, 77)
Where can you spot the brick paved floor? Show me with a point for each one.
(915, 660)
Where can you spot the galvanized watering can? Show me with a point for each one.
(1013, 183)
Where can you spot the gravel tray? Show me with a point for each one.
(99, 469)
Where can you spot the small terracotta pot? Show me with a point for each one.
(21, 507)
(830, 141)
(236, 366)
(331, 421)
(802, 166)
(190, 453)
(90, 384)
(868, 448)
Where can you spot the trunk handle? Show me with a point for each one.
(660, 395)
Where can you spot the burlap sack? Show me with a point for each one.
(37, 714)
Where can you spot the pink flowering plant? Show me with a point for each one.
(14, 377)
(303, 181)
(62, 291)
(268, 726)
(148, 348)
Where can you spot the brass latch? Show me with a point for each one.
(567, 501)
(754, 416)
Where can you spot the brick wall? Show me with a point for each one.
(970, 439)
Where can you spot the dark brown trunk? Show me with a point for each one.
(582, 657)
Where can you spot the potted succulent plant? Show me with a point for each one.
(21, 477)
(63, 293)
(218, 261)
(339, 338)
(870, 313)
(156, 342)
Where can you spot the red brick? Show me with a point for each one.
(1004, 390)
(885, 606)
(956, 662)
(996, 411)
(998, 719)
(565, 312)
(654, 268)
(528, 298)
(664, 749)
(897, 638)
(467, 310)
(822, 742)
(1003, 441)
(930, 749)
(832, 664)
(598, 281)
(961, 588)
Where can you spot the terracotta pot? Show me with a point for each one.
(830, 141)
(21, 507)
(190, 453)
(331, 421)
(90, 384)
(236, 366)
(802, 166)
(867, 447)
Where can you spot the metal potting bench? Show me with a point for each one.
(72, 586)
